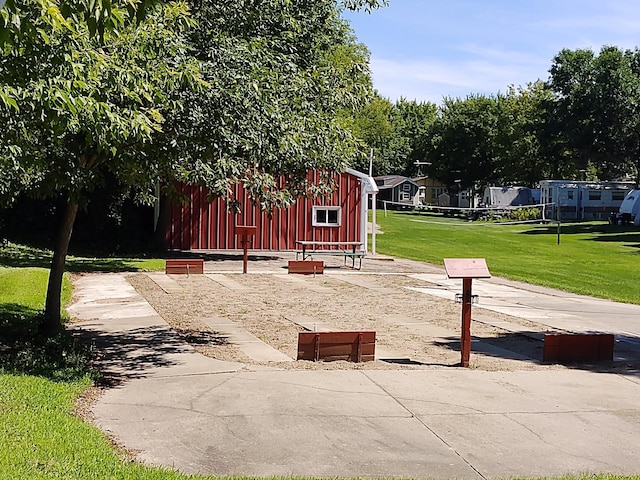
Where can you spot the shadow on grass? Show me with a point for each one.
(23, 351)
(109, 358)
(601, 230)
(19, 256)
(626, 235)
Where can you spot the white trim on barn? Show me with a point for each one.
(368, 187)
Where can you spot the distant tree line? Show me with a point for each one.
(583, 123)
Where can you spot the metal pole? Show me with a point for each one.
(373, 223)
(465, 339)
(558, 216)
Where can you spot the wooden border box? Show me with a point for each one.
(306, 266)
(181, 266)
(578, 347)
(331, 346)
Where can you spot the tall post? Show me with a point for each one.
(245, 232)
(374, 220)
(467, 269)
(465, 339)
(245, 247)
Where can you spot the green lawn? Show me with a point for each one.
(40, 381)
(15, 255)
(592, 258)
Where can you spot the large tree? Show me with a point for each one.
(396, 132)
(463, 152)
(132, 90)
(84, 104)
(520, 138)
(597, 108)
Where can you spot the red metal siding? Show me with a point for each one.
(210, 225)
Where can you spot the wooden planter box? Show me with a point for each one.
(306, 266)
(184, 266)
(330, 346)
(578, 347)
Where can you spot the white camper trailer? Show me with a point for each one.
(507, 196)
(582, 200)
(630, 207)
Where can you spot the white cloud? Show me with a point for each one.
(431, 80)
(429, 50)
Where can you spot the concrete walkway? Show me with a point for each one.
(183, 410)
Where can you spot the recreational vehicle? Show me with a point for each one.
(581, 200)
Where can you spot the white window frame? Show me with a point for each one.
(325, 209)
(405, 196)
(406, 187)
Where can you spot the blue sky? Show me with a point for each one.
(429, 49)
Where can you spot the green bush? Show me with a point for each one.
(524, 214)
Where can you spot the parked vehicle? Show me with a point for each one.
(629, 208)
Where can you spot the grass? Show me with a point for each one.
(593, 258)
(41, 381)
(41, 439)
(15, 255)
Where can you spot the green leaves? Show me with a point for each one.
(76, 103)
(256, 90)
(597, 99)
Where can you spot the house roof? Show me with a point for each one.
(390, 181)
(582, 184)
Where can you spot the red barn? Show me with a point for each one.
(209, 225)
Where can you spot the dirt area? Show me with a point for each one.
(420, 330)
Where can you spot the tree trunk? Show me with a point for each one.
(52, 322)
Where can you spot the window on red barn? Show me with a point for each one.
(327, 216)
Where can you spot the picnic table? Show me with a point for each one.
(311, 248)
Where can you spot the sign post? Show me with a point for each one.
(245, 232)
(467, 269)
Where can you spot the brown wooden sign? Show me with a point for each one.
(466, 268)
(245, 232)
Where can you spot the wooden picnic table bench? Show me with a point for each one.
(311, 248)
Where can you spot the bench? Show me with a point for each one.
(305, 266)
(336, 253)
(357, 346)
(183, 266)
(578, 347)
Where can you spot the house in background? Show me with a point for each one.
(397, 191)
(582, 200)
(429, 190)
(507, 196)
(203, 224)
